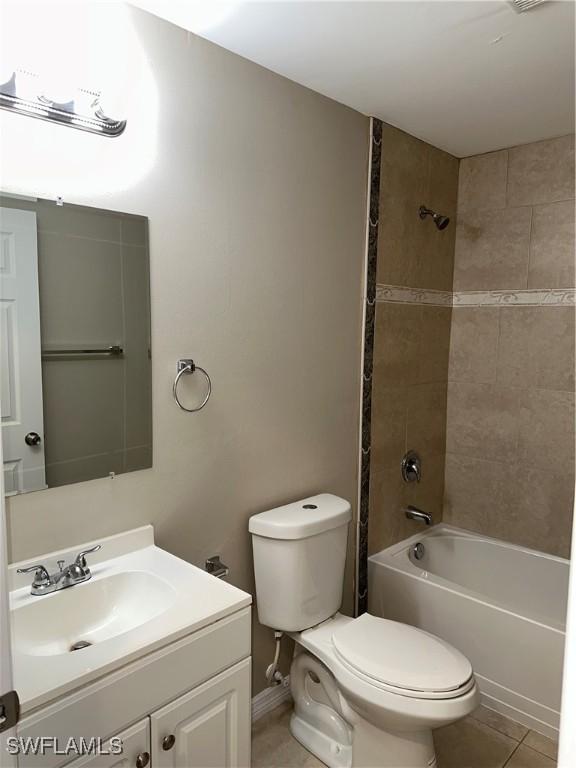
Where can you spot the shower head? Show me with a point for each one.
(438, 219)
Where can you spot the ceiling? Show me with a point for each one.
(468, 77)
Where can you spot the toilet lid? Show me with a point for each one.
(400, 655)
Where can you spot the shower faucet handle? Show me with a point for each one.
(411, 467)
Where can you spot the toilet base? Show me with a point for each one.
(338, 735)
(371, 747)
(335, 754)
(374, 748)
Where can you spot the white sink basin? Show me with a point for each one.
(90, 613)
(139, 599)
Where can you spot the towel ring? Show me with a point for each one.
(189, 366)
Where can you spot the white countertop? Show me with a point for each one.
(197, 599)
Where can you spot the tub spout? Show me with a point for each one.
(413, 513)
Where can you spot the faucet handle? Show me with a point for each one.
(41, 575)
(81, 556)
(411, 467)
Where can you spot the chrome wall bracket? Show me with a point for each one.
(216, 567)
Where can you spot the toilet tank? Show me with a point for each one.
(299, 558)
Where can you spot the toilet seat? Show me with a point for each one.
(384, 705)
(401, 659)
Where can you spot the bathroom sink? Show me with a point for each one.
(76, 618)
(139, 600)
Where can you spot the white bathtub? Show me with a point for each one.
(502, 605)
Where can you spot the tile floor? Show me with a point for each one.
(483, 740)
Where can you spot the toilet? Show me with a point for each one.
(367, 691)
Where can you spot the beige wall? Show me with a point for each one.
(411, 340)
(510, 431)
(255, 189)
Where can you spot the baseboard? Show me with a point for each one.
(270, 698)
(519, 716)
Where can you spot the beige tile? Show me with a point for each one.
(403, 187)
(542, 744)
(79, 221)
(542, 172)
(83, 468)
(428, 494)
(80, 290)
(426, 419)
(138, 458)
(83, 408)
(482, 421)
(134, 230)
(273, 746)
(437, 261)
(397, 343)
(435, 269)
(412, 252)
(474, 344)
(524, 757)
(137, 362)
(533, 508)
(387, 523)
(545, 428)
(536, 347)
(443, 182)
(492, 249)
(434, 349)
(388, 436)
(500, 723)
(472, 488)
(552, 246)
(482, 181)
(471, 744)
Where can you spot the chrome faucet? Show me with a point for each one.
(413, 513)
(75, 573)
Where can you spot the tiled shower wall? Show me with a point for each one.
(411, 342)
(473, 348)
(510, 419)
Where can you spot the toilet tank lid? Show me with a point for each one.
(302, 519)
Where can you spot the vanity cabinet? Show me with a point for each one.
(186, 705)
(135, 746)
(206, 728)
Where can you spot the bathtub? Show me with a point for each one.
(502, 605)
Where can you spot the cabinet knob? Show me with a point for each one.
(142, 760)
(168, 742)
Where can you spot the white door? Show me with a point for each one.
(6, 685)
(20, 361)
(135, 745)
(208, 727)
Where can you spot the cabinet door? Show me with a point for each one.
(208, 727)
(135, 750)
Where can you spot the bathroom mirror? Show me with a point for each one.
(75, 388)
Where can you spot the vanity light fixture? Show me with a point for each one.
(22, 93)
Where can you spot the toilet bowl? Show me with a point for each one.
(367, 691)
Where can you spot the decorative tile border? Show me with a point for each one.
(557, 297)
(368, 352)
(396, 294)
(541, 297)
